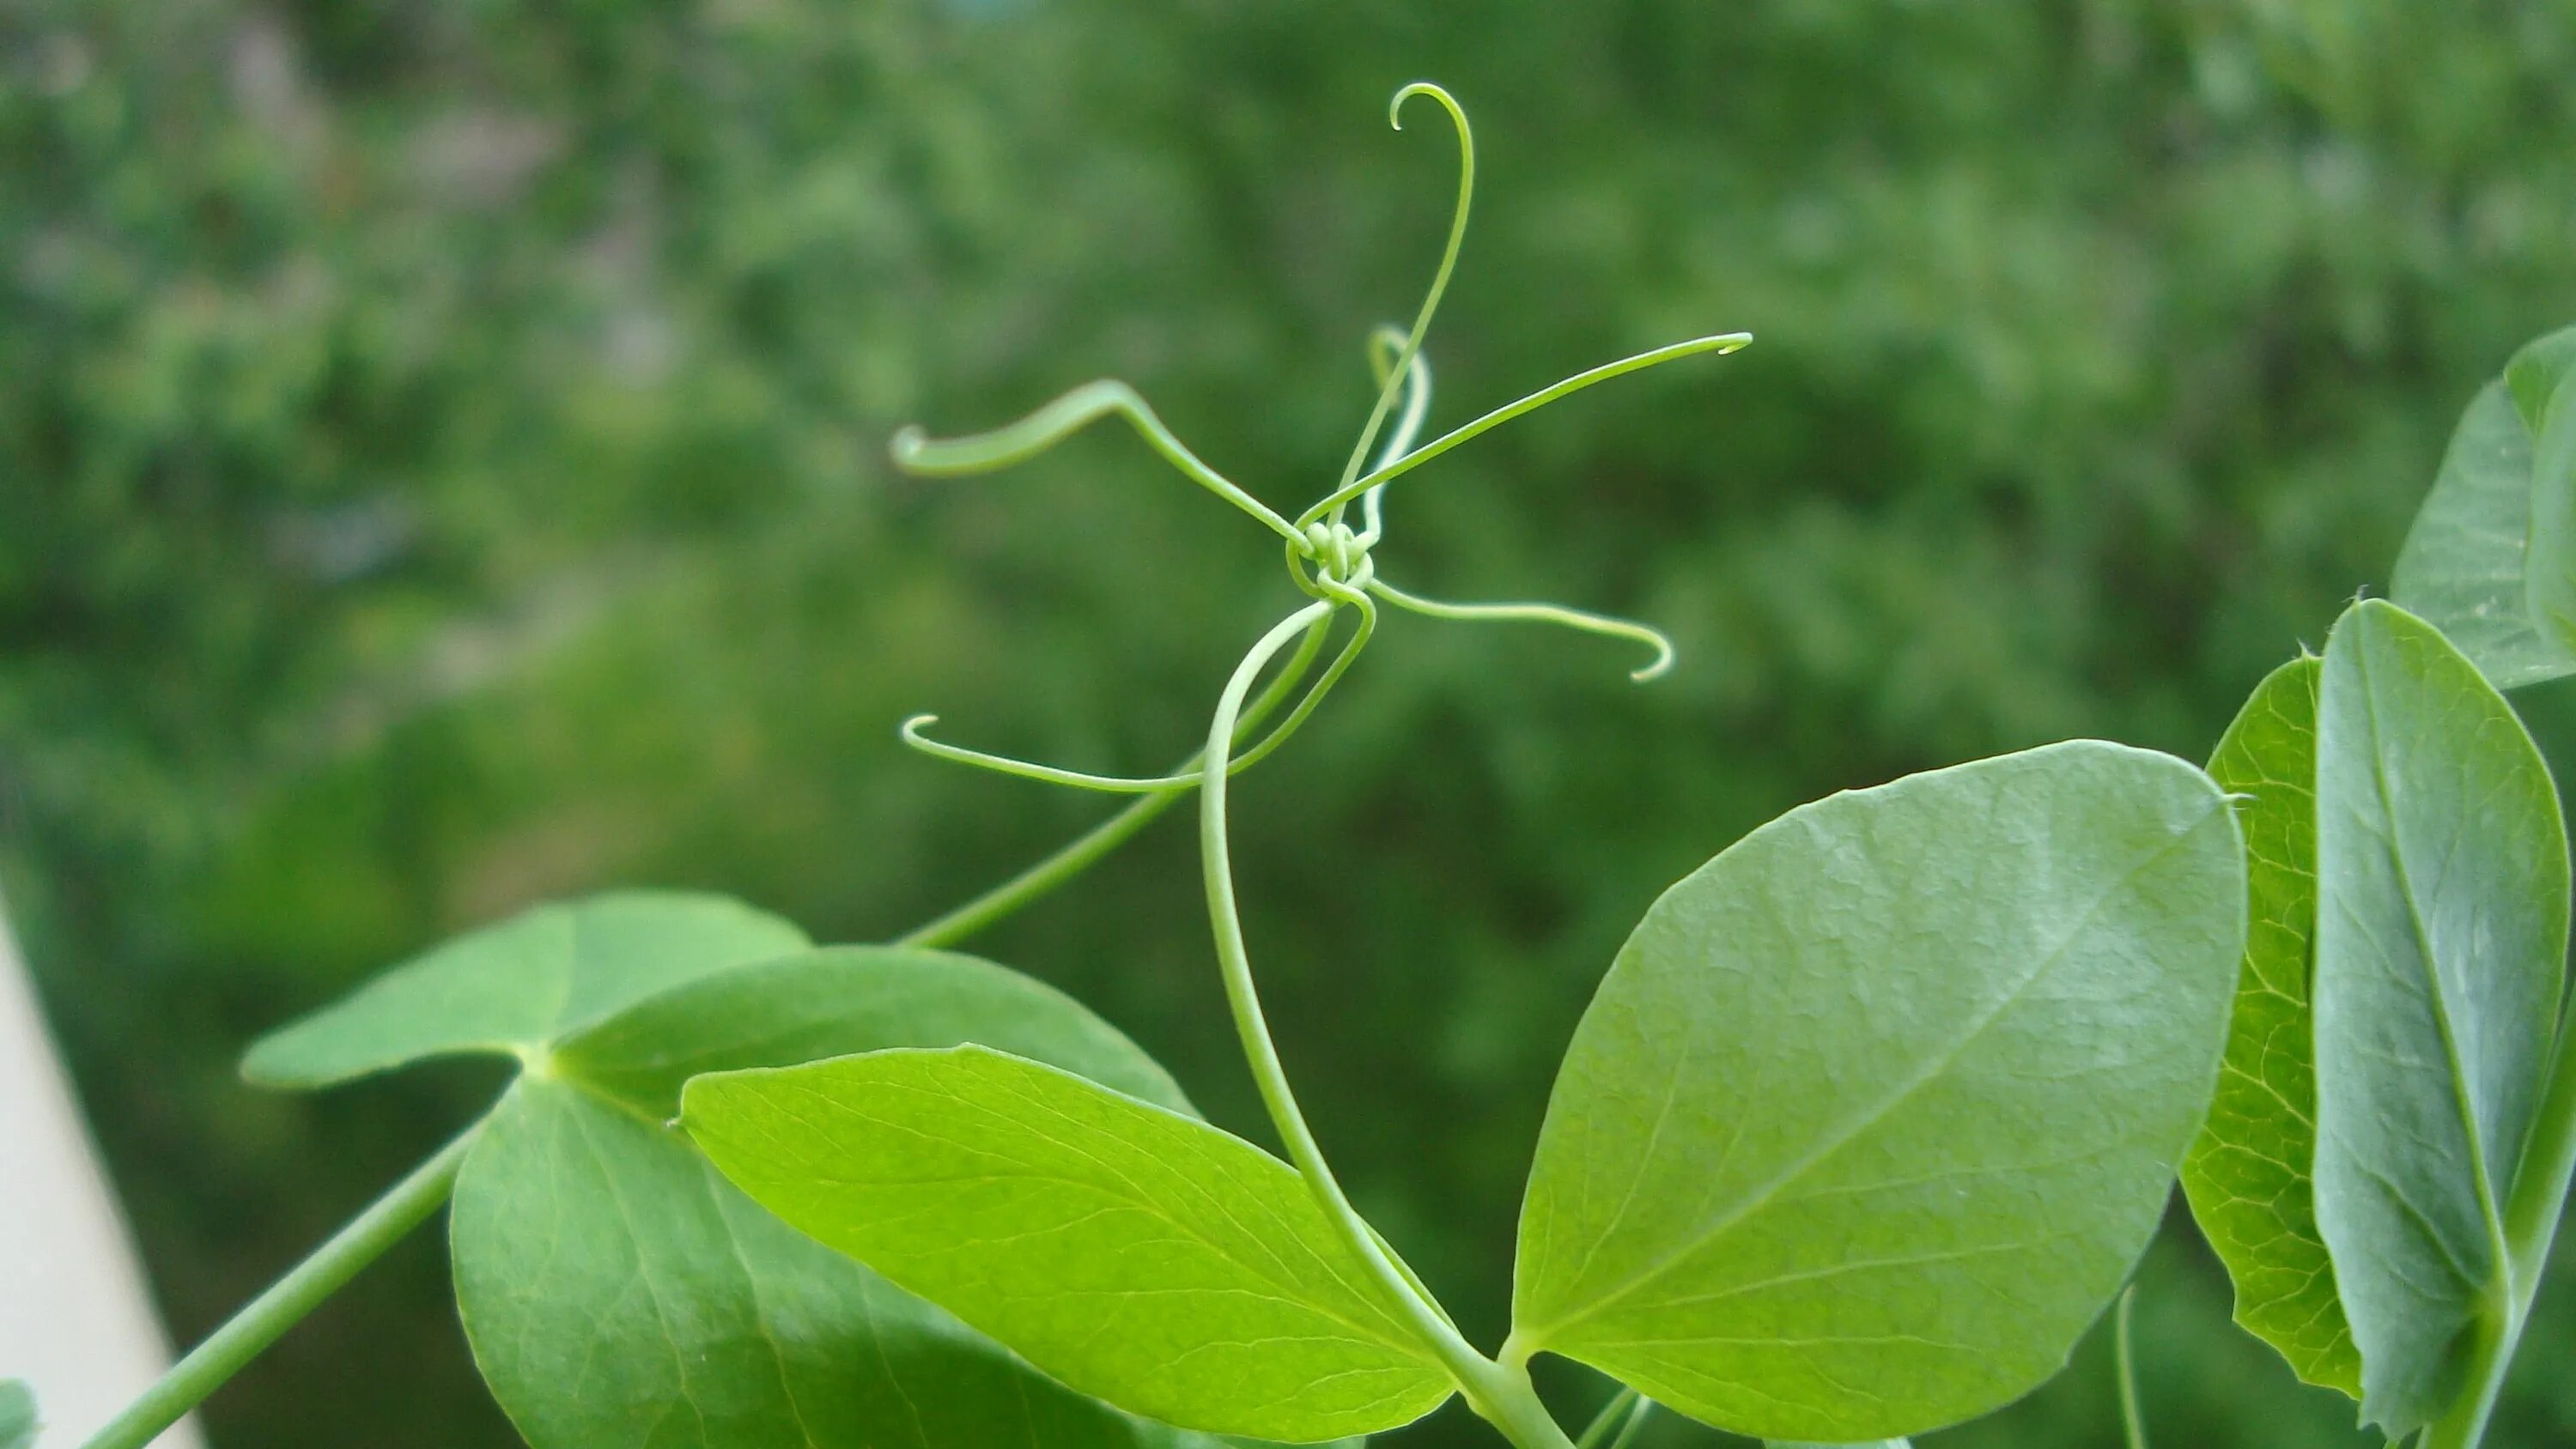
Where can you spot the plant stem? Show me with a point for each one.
(1502, 1395)
(2133, 1421)
(1599, 1429)
(1085, 850)
(366, 1237)
(2531, 1228)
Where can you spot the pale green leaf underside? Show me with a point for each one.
(17, 1415)
(2441, 943)
(2536, 371)
(1874, 1111)
(517, 987)
(618, 1292)
(2551, 567)
(1132, 1253)
(1810, 1444)
(2249, 1173)
(2462, 565)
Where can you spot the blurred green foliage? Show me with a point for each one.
(440, 467)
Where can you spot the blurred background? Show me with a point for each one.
(441, 467)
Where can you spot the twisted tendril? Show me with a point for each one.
(1332, 564)
(1328, 560)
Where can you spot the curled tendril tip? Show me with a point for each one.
(1329, 561)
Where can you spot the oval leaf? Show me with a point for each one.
(513, 989)
(1132, 1253)
(2462, 566)
(617, 1291)
(1873, 1112)
(2440, 955)
(2249, 1173)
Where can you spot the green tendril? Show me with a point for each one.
(916, 452)
(1403, 364)
(1558, 614)
(1386, 344)
(1721, 344)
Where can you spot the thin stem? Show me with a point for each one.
(2133, 1422)
(1501, 1394)
(2531, 1227)
(1636, 1421)
(365, 1239)
(1722, 343)
(1602, 1423)
(1085, 850)
(917, 452)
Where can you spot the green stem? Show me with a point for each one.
(1599, 1429)
(1085, 850)
(2133, 1421)
(1501, 1394)
(2530, 1229)
(385, 1222)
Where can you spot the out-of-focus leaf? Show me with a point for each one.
(2249, 1175)
(2549, 568)
(2441, 942)
(17, 1415)
(1890, 1095)
(2462, 565)
(1125, 1250)
(517, 987)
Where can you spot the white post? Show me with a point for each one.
(75, 1322)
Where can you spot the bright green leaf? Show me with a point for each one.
(515, 988)
(618, 1292)
(2462, 566)
(1874, 1111)
(1125, 1250)
(2440, 951)
(1806, 1444)
(835, 1000)
(2248, 1175)
(17, 1415)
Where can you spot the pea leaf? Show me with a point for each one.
(616, 1291)
(2248, 1177)
(2440, 955)
(1127, 1251)
(2491, 558)
(17, 1415)
(1873, 1112)
(2550, 567)
(516, 987)
(2462, 564)
(836, 1000)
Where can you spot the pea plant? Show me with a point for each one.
(1868, 1123)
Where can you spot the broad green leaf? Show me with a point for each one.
(1128, 1251)
(618, 1292)
(17, 1415)
(1809, 1444)
(515, 988)
(2462, 565)
(2534, 374)
(835, 1000)
(1874, 1111)
(2440, 955)
(2248, 1175)
(2550, 568)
